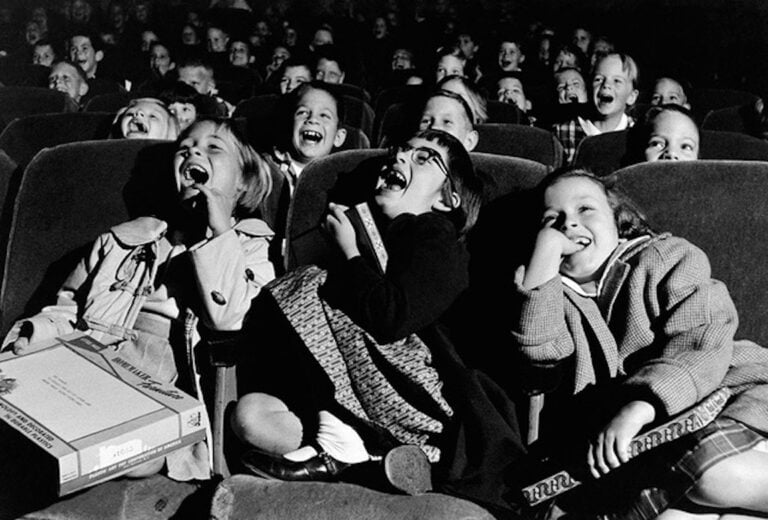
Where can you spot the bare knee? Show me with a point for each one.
(265, 422)
(734, 482)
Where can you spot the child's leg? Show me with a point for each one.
(678, 514)
(739, 482)
(265, 422)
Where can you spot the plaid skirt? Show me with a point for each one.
(661, 478)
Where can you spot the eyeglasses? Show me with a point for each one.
(421, 155)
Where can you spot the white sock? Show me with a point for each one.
(337, 439)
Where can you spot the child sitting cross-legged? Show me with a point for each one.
(639, 332)
(151, 286)
(356, 362)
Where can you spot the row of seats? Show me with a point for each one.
(717, 204)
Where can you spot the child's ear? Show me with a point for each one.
(341, 136)
(632, 97)
(252, 59)
(446, 206)
(522, 59)
(99, 56)
(528, 105)
(471, 140)
(172, 65)
(83, 88)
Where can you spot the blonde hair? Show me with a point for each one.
(173, 124)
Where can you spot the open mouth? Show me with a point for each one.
(137, 127)
(605, 99)
(582, 241)
(505, 64)
(573, 99)
(311, 136)
(196, 173)
(392, 179)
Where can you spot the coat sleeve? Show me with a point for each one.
(426, 272)
(230, 270)
(59, 319)
(539, 329)
(694, 321)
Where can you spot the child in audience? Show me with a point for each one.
(510, 90)
(634, 321)
(199, 74)
(570, 86)
(568, 55)
(330, 66)
(668, 90)
(391, 382)
(614, 88)
(151, 285)
(145, 118)
(295, 72)
(467, 89)
(448, 111)
(450, 62)
(667, 133)
(69, 78)
(186, 104)
(310, 127)
(511, 56)
(44, 53)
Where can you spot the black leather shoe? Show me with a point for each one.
(321, 467)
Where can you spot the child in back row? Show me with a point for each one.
(639, 331)
(151, 286)
(310, 126)
(614, 88)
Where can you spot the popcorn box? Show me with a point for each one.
(94, 415)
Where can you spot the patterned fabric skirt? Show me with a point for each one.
(660, 479)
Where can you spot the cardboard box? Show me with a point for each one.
(95, 414)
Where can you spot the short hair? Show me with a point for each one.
(678, 78)
(45, 42)
(628, 65)
(330, 52)
(173, 123)
(196, 60)
(295, 96)
(464, 179)
(180, 92)
(571, 48)
(78, 69)
(96, 42)
(466, 103)
(630, 220)
(640, 133)
(256, 176)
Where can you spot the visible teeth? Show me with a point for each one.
(583, 241)
(198, 174)
(394, 179)
(311, 135)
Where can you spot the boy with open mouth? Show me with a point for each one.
(614, 88)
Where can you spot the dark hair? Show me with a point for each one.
(330, 52)
(255, 172)
(630, 220)
(94, 38)
(638, 135)
(463, 178)
(295, 96)
(180, 92)
(678, 78)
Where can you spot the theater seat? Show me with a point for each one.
(23, 101)
(68, 195)
(721, 207)
(704, 100)
(499, 112)
(26, 136)
(523, 141)
(605, 153)
(743, 119)
(109, 101)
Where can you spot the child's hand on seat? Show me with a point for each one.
(611, 447)
(337, 225)
(220, 208)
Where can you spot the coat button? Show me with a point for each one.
(249, 275)
(218, 298)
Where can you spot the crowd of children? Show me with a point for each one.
(353, 363)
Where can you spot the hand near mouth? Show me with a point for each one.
(551, 247)
(219, 207)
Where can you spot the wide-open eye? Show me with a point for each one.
(656, 142)
(421, 156)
